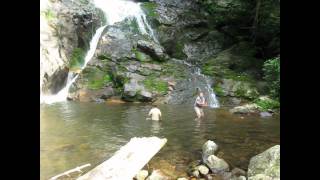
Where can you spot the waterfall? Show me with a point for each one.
(115, 11)
(207, 90)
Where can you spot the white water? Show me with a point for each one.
(115, 11)
(119, 10)
(212, 99)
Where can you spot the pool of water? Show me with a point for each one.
(74, 134)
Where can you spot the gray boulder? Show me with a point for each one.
(209, 148)
(216, 164)
(203, 169)
(154, 50)
(265, 165)
(245, 109)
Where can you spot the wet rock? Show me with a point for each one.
(107, 93)
(238, 178)
(265, 114)
(133, 90)
(238, 172)
(154, 50)
(203, 170)
(245, 109)
(226, 175)
(235, 88)
(209, 148)
(265, 165)
(195, 173)
(142, 175)
(216, 164)
(157, 175)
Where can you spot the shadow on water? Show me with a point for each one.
(73, 134)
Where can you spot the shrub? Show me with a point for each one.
(271, 69)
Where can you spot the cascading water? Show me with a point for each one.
(212, 99)
(115, 11)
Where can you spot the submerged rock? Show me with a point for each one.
(265, 165)
(245, 109)
(216, 164)
(238, 172)
(265, 114)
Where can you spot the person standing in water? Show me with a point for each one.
(199, 104)
(155, 113)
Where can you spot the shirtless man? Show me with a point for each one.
(199, 104)
(155, 113)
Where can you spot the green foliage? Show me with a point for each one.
(154, 84)
(77, 59)
(271, 69)
(266, 104)
(171, 69)
(218, 90)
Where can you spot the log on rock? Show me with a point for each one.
(127, 161)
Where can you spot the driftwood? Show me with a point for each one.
(77, 169)
(127, 161)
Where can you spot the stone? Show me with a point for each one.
(154, 50)
(142, 175)
(157, 175)
(238, 172)
(107, 93)
(265, 165)
(209, 148)
(203, 169)
(238, 178)
(216, 164)
(226, 175)
(195, 173)
(245, 109)
(151, 66)
(265, 114)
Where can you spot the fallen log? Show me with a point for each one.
(77, 169)
(127, 161)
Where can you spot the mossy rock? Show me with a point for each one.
(77, 59)
(93, 78)
(143, 57)
(150, 9)
(154, 84)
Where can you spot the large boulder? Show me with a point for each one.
(216, 164)
(151, 48)
(245, 109)
(133, 90)
(209, 148)
(265, 165)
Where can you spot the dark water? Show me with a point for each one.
(74, 134)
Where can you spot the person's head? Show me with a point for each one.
(201, 94)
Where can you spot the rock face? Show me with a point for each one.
(265, 165)
(152, 49)
(203, 170)
(216, 164)
(64, 26)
